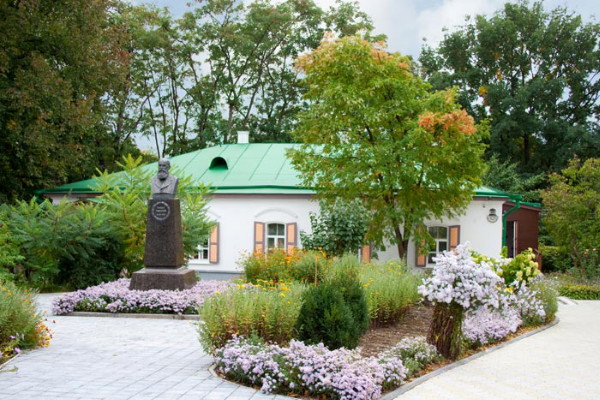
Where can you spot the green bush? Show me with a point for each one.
(326, 318)
(521, 269)
(580, 292)
(21, 327)
(267, 311)
(310, 268)
(555, 259)
(279, 265)
(65, 244)
(390, 289)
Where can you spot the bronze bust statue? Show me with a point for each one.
(164, 184)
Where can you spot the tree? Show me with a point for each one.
(338, 229)
(573, 213)
(374, 132)
(533, 74)
(57, 60)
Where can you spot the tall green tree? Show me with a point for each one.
(573, 213)
(57, 60)
(375, 132)
(534, 74)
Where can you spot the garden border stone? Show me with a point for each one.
(130, 315)
(411, 385)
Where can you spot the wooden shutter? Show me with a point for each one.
(454, 236)
(259, 237)
(291, 236)
(421, 254)
(213, 245)
(365, 253)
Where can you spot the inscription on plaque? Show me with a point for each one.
(161, 211)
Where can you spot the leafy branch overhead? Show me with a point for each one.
(374, 132)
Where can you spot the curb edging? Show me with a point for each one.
(409, 386)
(130, 315)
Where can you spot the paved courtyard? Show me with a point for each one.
(129, 358)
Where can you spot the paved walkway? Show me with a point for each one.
(118, 358)
(127, 358)
(562, 362)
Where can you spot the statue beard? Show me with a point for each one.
(162, 175)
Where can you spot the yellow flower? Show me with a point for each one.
(282, 294)
(217, 292)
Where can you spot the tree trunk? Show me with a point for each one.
(445, 331)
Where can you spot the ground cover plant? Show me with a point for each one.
(315, 370)
(117, 297)
(21, 326)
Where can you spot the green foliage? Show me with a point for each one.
(67, 244)
(124, 202)
(520, 270)
(269, 312)
(555, 258)
(573, 213)
(338, 229)
(10, 254)
(336, 311)
(21, 326)
(532, 74)
(278, 265)
(504, 175)
(58, 61)
(390, 290)
(374, 132)
(326, 318)
(580, 292)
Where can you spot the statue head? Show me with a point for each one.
(163, 169)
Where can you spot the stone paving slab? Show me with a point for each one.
(118, 358)
(562, 362)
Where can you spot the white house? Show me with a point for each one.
(258, 203)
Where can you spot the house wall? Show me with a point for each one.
(484, 237)
(236, 215)
(527, 219)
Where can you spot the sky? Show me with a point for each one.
(407, 22)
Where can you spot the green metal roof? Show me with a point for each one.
(256, 168)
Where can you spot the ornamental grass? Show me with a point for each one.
(21, 326)
(266, 309)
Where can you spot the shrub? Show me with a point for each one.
(390, 289)
(310, 268)
(272, 266)
(326, 318)
(415, 354)
(65, 244)
(580, 292)
(555, 259)
(339, 228)
(21, 327)
(519, 270)
(486, 325)
(269, 311)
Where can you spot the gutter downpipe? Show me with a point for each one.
(517, 199)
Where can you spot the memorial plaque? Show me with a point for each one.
(161, 210)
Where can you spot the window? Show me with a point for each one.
(275, 236)
(440, 237)
(202, 254)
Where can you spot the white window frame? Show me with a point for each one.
(275, 236)
(201, 249)
(437, 251)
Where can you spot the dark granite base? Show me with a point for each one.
(163, 278)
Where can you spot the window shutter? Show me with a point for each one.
(213, 245)
(365, 253)
(291, 236)
(454, 237)
(259, 237)
(421, 254)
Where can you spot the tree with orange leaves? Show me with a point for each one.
(375, 132)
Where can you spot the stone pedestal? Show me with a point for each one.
(163, 255)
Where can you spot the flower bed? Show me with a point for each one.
(117, 297)
(317, 371)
